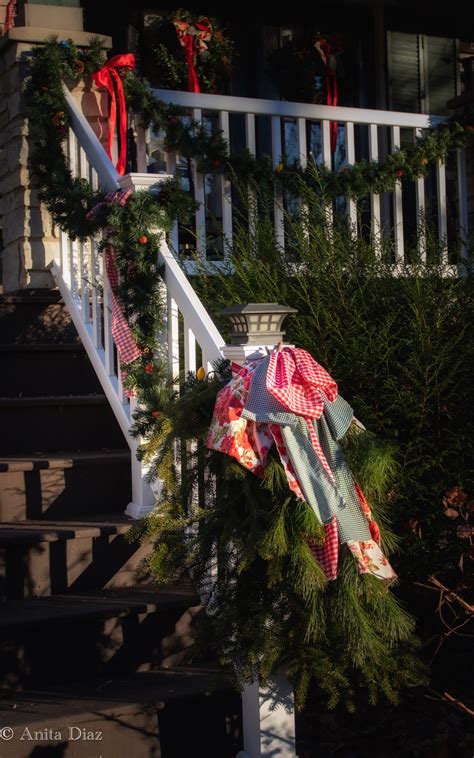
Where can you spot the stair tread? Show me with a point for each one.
(93, 399)
(42, 347)
(35, 531)
(61, 460)
(101, 694)
(97, 604)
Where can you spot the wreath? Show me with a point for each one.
(188, 52)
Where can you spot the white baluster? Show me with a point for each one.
(327, 159)
(189, 349)
(251, 143)
(374, 198)
(173, 336)
(462, 201)
(302, 142)
(421, 210)
(278, 205)
(350, 158)
(225, 185)
(96, 287)
(200, 197)
(442, 212)
(174, 233)
(397, 203)
(108, 339)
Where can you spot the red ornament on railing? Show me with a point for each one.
(109, 77)
(193, 38)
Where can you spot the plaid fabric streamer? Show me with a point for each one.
(297, 381)
(10, 14)
(127, 348)
(327, 552)
(113, 198)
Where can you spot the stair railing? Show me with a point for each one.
(191, 338)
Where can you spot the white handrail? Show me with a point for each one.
(96, 155)
(285, 109)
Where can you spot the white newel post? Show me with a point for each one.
(268, 712)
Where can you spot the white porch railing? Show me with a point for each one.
(79, 272)
(298, 130)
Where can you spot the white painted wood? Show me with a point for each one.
(96, 154)
(374, 198)
(225, 186)
(397, 203)
(189, 349)
(174, 232)
(462, 202)
(442, 210)
(302, 142)
(268, 715)
(251, 144)
(107, 311)
(420, 210)
(285, 109)
(200, 197)
(278, 204)
(96, 296)
(173, 336)
(350, 158)
(96, 356)
(194, 313)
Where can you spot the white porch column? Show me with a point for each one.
(268, 715)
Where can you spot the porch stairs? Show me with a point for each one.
(87, 644)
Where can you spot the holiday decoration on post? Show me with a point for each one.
(290, 400)
(189, 52)
(109, 76)
(329, 49)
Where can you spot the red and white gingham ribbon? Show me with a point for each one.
(296, 381)
(127, 348)
(10, 14)
(327, 552)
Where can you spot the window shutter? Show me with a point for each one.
(441, 73)
(404, 72)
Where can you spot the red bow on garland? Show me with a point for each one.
(328, 51)
(193, 38)
(107, 77)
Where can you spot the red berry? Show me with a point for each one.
(143, 239)
(156, 414)
(400, 172)
(148, 367)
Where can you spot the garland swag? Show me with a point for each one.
(270, 604)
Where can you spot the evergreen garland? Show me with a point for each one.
(270, 605)
(168, 59)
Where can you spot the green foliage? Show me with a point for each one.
(400, 348)
(270, 606)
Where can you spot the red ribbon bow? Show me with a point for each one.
(107, 76)
(193, 38)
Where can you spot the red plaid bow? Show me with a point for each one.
(297, 381)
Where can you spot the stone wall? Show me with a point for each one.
(30, 240)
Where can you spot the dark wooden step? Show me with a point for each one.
(64, 485)
(164, 714)
(64, 637)
(35, 316)
(46, 369)
(51, 424)
(38, 559)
